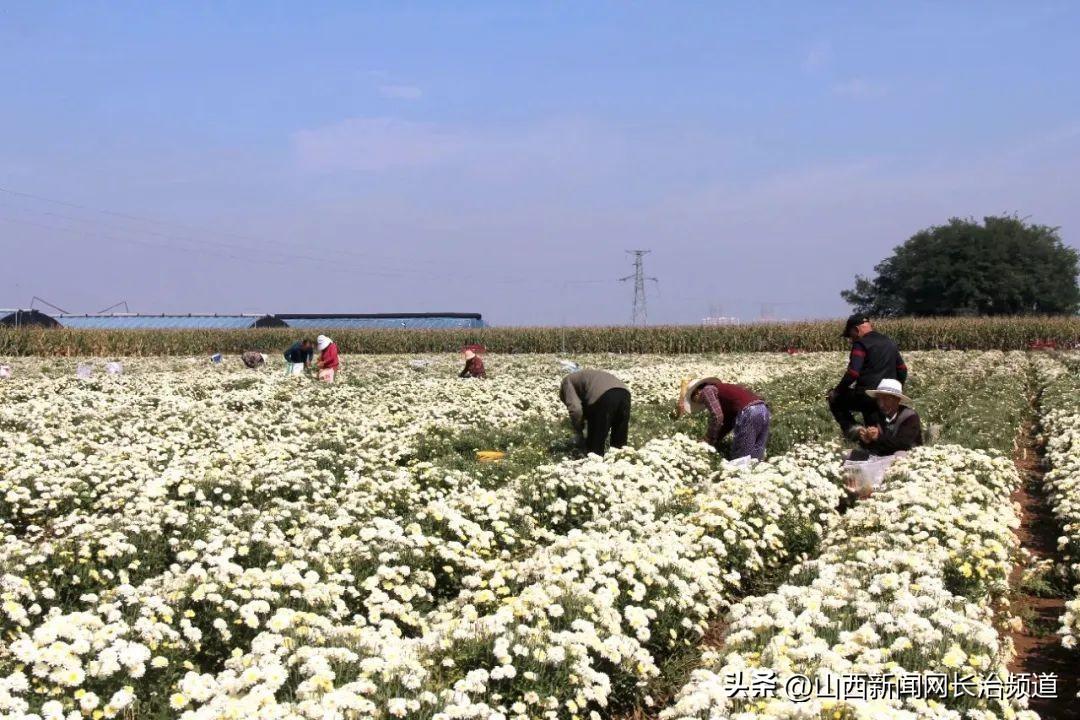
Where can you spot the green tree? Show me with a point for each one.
(1003, 266)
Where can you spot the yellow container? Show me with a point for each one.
(489, 455)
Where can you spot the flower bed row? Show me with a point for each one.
(301, 608)
(908, 582)
(1060, 421)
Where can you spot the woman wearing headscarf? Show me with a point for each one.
(328, 358)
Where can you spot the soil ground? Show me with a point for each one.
(1038, 646)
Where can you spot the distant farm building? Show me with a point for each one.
(720, 320)
(193, 321)
(26, 318)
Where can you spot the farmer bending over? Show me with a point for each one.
(874, 357)
(599, 403)
(299, 355)
(253, 359)
(474, 364)
(328, 358)
(731, 408)
(900, 427)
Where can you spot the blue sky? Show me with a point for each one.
(501, 157)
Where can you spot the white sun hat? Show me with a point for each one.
(469, 354)
(890, 388)
(685, 404)
(322, 342)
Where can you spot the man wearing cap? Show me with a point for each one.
(732, 408)
(900, 427)
(599, 404)
(874, 357)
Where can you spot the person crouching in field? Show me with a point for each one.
(899, 429)
(874, 357)
(474, 364)
(327, 363)
(299, 356)
(252, 359)
(731, 408)
(599, 404)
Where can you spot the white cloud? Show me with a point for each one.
(818, 57)
(401, 92)
(559, 148)
(374, 144)
(859, 88)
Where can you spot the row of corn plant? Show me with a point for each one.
(1011, 333)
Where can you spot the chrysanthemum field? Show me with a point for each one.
(189, 540)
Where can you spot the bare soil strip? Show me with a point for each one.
(1038, 646)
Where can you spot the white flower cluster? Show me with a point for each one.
(215, 542)
(908, 582)
(197, 541)
(1060, 421)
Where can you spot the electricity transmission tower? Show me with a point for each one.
(640, 314)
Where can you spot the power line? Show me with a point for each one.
(170, 240)
(333, 267)
(260, 242)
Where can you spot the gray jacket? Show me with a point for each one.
(582, 388)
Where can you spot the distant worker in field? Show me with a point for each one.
(327, 363)
(253, 359)
(874, 357)
(732, 409)
(474, 364)
(300, 355)
(900, 427)
(599, 405)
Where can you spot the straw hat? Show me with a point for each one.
(322, 342)
(469, 354)
(890, 388)
(685, 404)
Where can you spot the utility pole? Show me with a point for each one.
(640, 312)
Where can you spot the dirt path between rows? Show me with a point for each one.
(1038, 646)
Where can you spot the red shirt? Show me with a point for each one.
(724, 402)
(328, 357)
(474, 367)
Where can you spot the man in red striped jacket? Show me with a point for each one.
(874, 357)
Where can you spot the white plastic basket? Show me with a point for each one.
(84, 371)
(114, 368)
(5, 372)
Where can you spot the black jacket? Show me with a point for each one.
(874, 357)
(903, 432)
(297, 354)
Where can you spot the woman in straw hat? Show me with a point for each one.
(900, 427)
(731, 408)
(474, 364)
